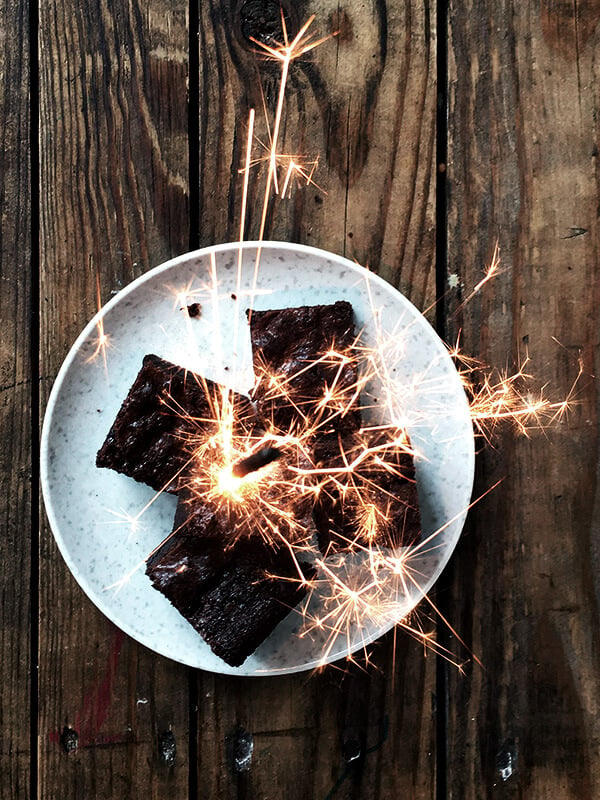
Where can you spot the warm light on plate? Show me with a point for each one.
(90, 509)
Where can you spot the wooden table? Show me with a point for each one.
(440, 132)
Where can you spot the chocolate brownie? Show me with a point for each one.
(376, 504)
(246, 604)
(226, 591)
(164, 409)
(287, 344)
(192, 557)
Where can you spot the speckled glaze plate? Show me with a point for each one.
(88, 508)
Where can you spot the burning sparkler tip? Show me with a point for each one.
(255, 461)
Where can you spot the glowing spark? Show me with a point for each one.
(302, 172)
(124, 517)
(491, 272)
(102, 339)
(301, 44)
(123, 581)
(496, 396)
(296, 168)
(246, 172)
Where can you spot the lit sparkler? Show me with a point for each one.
(497, 396)
(266, 481)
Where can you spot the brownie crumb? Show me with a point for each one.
(194, 310)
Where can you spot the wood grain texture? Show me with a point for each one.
(15, 402)
(364, 102)
(344, 733)
(113, 202)
(523, 170)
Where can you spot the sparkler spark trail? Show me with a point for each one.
(285, 52)
(497, 396)
(491, 272)
(102, 339)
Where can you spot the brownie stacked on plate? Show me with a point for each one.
(300, 355)
(221, 582)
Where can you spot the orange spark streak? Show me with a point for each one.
(246, 171)
(285, 53)
(496, 396)
(103, 339)
(491, 272)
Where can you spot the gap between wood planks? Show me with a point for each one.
(441, 262)
(34, 365)
(194, 200)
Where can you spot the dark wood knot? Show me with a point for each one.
(261, 20)
(69, 740)
(167, 748)
(239, 746)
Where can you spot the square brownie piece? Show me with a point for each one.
(225, 590)
(237, 613)
(287, 344)
(165, 407)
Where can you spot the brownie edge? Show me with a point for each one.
(165, 406)
(292, 345)
(245, 606)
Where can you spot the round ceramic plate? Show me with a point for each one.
(91, 509)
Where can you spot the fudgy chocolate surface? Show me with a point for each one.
(192, 557)
(166, 406)
(384, 478)
(239, 611)
(224, 590)
(286, 343)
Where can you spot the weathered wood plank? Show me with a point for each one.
(523, 170)
(363, 102)
(346, 732)
(113, 127)
(15, 401)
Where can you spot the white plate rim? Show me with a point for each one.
(92, 325)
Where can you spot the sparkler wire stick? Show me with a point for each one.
(246, 171)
